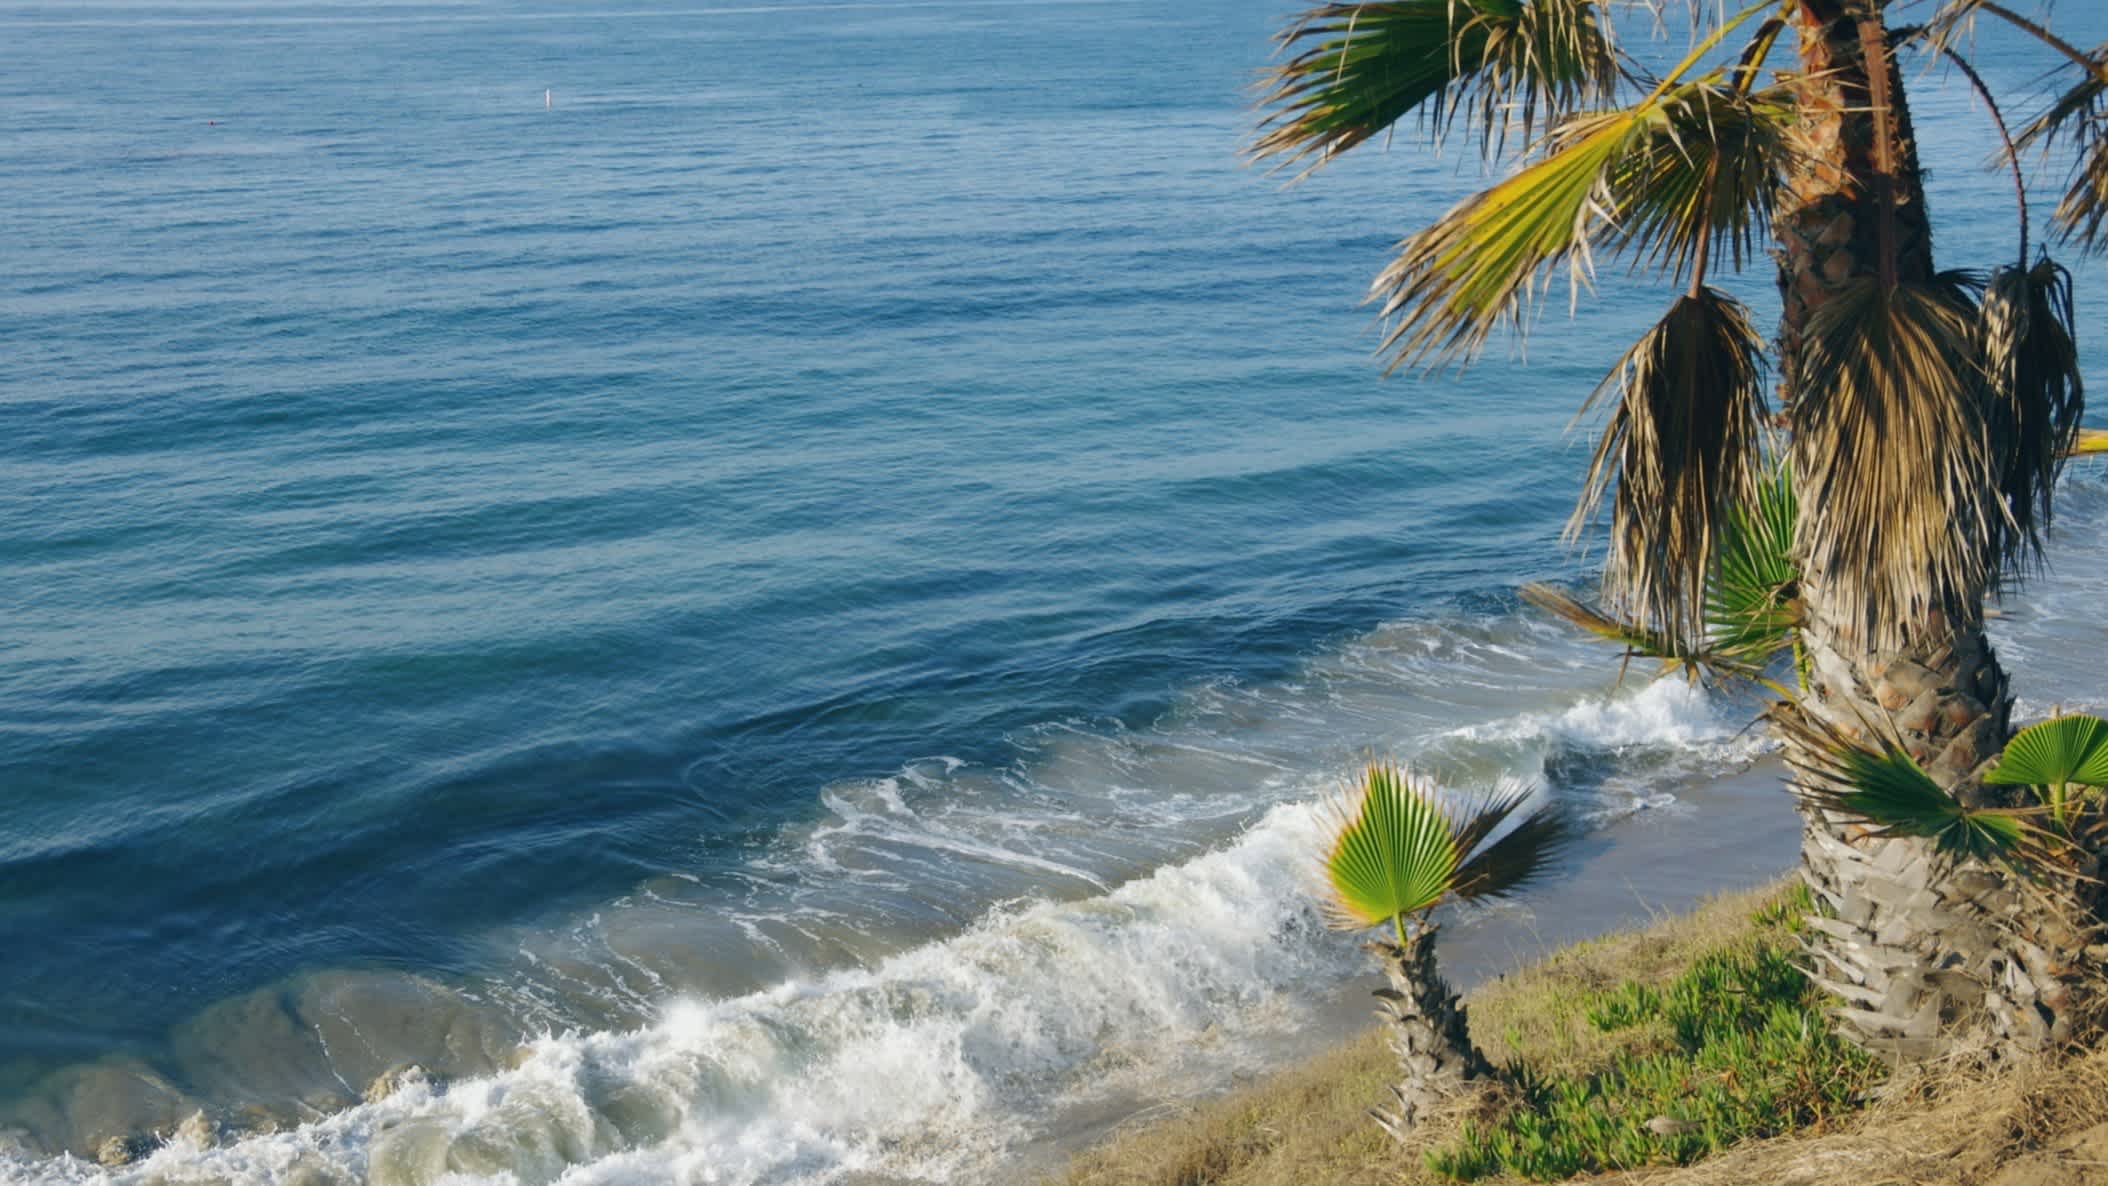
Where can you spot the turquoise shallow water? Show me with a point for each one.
(836, 480)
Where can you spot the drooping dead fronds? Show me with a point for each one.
(1682, 448)
(1498, 64)
(2031, 358)
(1899, 503)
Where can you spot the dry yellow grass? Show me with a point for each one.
(2039, 1124)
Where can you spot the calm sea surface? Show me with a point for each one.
(766, 589)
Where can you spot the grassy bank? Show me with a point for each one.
(1677, 1043)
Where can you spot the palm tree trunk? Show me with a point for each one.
(1923, 954)
(1428, 1032)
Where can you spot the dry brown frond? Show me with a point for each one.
(1683, 447)
(2037, 396)
(1899, 496)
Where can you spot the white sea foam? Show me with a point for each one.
(939, 1061)
(927, 1065)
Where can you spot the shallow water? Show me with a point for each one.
(785, 614)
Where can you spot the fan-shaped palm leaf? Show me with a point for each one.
(1398, 851)
(2055, 755)
(1683, 447)
(1707, 660)
(2031, 356)
(1368, 66)
(1897, 488)
(1395, 852)
(1752, 604)
(1884, 787)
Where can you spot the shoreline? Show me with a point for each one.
(1739, 825)
(2034, 1122)
(1312, 1113)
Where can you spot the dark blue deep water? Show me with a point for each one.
(836, 480)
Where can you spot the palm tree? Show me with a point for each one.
(1395, 855)
(1923, 414)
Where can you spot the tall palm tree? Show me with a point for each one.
(1924, 412)
(1397, 853)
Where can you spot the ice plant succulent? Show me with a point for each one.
(1398, 852)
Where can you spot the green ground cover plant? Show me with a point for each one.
(1734, 1048)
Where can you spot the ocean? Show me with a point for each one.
(769, 591)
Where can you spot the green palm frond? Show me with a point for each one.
(1636, 638)
(1367, 66)
(1395, 852)
(1483, 264)
(1706, 660)
(1682, 446)
(1752, 604)
(1700, 164)
(1898, 492)
(1752, 596)
(2037, 395)
(2053, 756)
(1884, 787)
(2063, 749)
(1476, 268)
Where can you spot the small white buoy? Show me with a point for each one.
(548, 99)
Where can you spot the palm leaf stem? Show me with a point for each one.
(1873, 42)
(2012, 153)
(1746, 68)
(2042, 33)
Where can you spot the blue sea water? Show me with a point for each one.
(651, 557)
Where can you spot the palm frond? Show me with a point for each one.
(1898, 491)
(1515, 859)
(2037, 395)
(2078, 119)
(1682, 447)
(1394, 853)
(1482, 264)
(1637, 639)
(1752, 604)
(2056, 752)
(1699, 165)
(1476, 267)
(1364, 67)
(1884, 787)
(1483, 816)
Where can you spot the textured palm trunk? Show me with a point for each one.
(1426, 1024)
(1924, 955)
